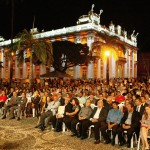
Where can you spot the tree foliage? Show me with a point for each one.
(68, 54)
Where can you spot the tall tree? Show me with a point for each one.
(40, 50)
(68, 54)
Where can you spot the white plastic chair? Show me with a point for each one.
(132, 139)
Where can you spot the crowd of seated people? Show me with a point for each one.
(118, 107)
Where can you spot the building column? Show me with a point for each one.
(16, 69)
(24, 67)
(52, 69)
(104, 69)
(77, 72)
(126, 65)
(129, 64)
(90, 70)
(3, 60)
(34, 72)
(113, 67)
(132, 63)
(42, 69)
(99, 69)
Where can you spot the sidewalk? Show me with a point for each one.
(21, 135)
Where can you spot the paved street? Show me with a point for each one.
(21, 135)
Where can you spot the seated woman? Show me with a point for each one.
(3, 99)
(145, 126)
(71, 117)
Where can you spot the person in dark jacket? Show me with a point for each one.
(130, 122)
(57, 120)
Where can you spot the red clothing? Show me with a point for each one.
(119, 98)
(3, 98)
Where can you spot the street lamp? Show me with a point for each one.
(107, 66)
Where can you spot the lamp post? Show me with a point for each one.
(11, 68)
(107, 66)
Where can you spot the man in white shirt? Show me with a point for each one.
(98, 119)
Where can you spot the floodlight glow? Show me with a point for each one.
(107, 53)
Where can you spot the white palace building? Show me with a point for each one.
(87, 30)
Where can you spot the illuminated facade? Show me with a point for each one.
(86, 31)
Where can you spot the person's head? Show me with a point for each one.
(3, 92)
(115, 105)
(138, 102)
(75, 101)
(55, 97)
(100, 96)
(12, 90)
(118, 93)
(91, 96)
(109, 99)
(88, 103)
(46, 93)
(67, 100)
(147, 96)
(130, 107)
(36, 93)
(147, 112)
(147, 109)
(15, 94)
(59, 94)
(48, 99)
(143, 99)
(100, 104)
(23, 95)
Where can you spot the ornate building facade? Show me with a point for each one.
(88, 30)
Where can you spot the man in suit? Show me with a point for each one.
(98, 119)
(130, 122)
(61, 99)
(11, 105)
(139, 108)
(144, 101)
(57, 119)
(21, 105)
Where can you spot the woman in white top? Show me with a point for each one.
(145, 126)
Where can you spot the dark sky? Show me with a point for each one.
(54, 14)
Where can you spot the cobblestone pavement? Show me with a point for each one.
(21, 135)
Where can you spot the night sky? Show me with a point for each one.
(54, 14)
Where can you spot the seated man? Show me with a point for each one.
(98, 119)
(129, 123)
(57, 119)
(113, 120)
(21, 105)
(51, 110)
(84, 115)
(11, 105)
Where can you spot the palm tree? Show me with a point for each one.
(40, 50)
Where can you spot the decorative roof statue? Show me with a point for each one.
(101, 11)
(112, 27)
(118, 29)
(92, 9)
(133, 37)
